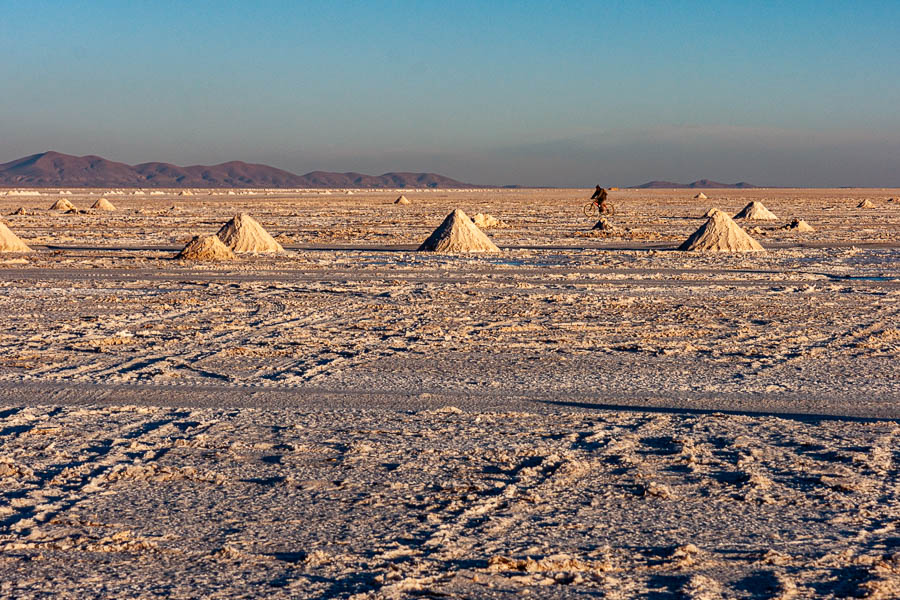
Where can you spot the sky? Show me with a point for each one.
(573, 94)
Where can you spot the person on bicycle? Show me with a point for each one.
(600, 195)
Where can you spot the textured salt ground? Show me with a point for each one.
(138, 502)
(535, 217)
(326, 336)
(770, 333)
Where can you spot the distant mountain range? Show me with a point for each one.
(701, 183)
(54, 169)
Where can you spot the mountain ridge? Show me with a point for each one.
(699, 184)
(55, 169)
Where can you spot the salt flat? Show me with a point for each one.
(584, 412)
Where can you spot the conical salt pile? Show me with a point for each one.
(244, 234)
(10, 242)
(402, 200)
(208, 247)
(755, 211)
(458, 234)
(720, 234)
(865, 204)
(19, 211)
(711, 212)
(700, 196)
(103, 204)
(487, 221)
(799, 225)
(62, 204)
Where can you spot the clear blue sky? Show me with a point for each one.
(534, 93)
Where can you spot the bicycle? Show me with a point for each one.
(592, 209)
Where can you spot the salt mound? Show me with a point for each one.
(604, 225)
(756, 211)
(62, 204)
(10, 242)
(103, 204)
(458, 234)
(402, 200)
(799, 225)
(711, 212)
(244, 234)
(185, 193)
(208, 247)
(487, 221)
(720, 234)
(700, 196)
(865, 204)
(19, 211)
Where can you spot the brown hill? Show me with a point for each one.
(54, 169)
(230, 174)
(388, 180)
(699, 184)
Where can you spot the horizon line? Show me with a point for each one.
(677, 186)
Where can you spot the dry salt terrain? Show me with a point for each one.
(586, 413)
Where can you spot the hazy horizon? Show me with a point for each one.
(509, 93)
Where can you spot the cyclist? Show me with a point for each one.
(600, 195)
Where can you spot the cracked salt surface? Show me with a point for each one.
(564, 420)
(381, 503)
